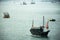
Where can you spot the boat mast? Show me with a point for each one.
(43, 21)
(32, 23)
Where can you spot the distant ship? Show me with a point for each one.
(24, 3)
(6, 15)
(32, 2)
(39, 30)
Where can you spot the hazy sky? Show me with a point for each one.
(33, 0)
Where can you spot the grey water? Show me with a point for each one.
(17, 27)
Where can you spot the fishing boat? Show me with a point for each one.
(39, 30)
(6, 15)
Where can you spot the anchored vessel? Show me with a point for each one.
(40, 30)
(6, 15)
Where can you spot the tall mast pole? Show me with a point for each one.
(32, 23)
(43, 20)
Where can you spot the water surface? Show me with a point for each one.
(18, 25)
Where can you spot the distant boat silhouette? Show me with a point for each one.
(52, 20)
(24, 3)
(6, 15)
(32, 2)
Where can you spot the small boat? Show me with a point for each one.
(52, 20)
(32, 2)
(40, 30)
(6, 15)
(24, 3)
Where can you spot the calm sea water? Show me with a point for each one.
(18, 25)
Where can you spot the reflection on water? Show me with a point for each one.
(18, 25)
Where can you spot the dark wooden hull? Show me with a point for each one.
(6, 16)
(37, 32)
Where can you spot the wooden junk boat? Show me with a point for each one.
(39, 30)
(6, 15)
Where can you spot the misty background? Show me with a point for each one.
(17, 27)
